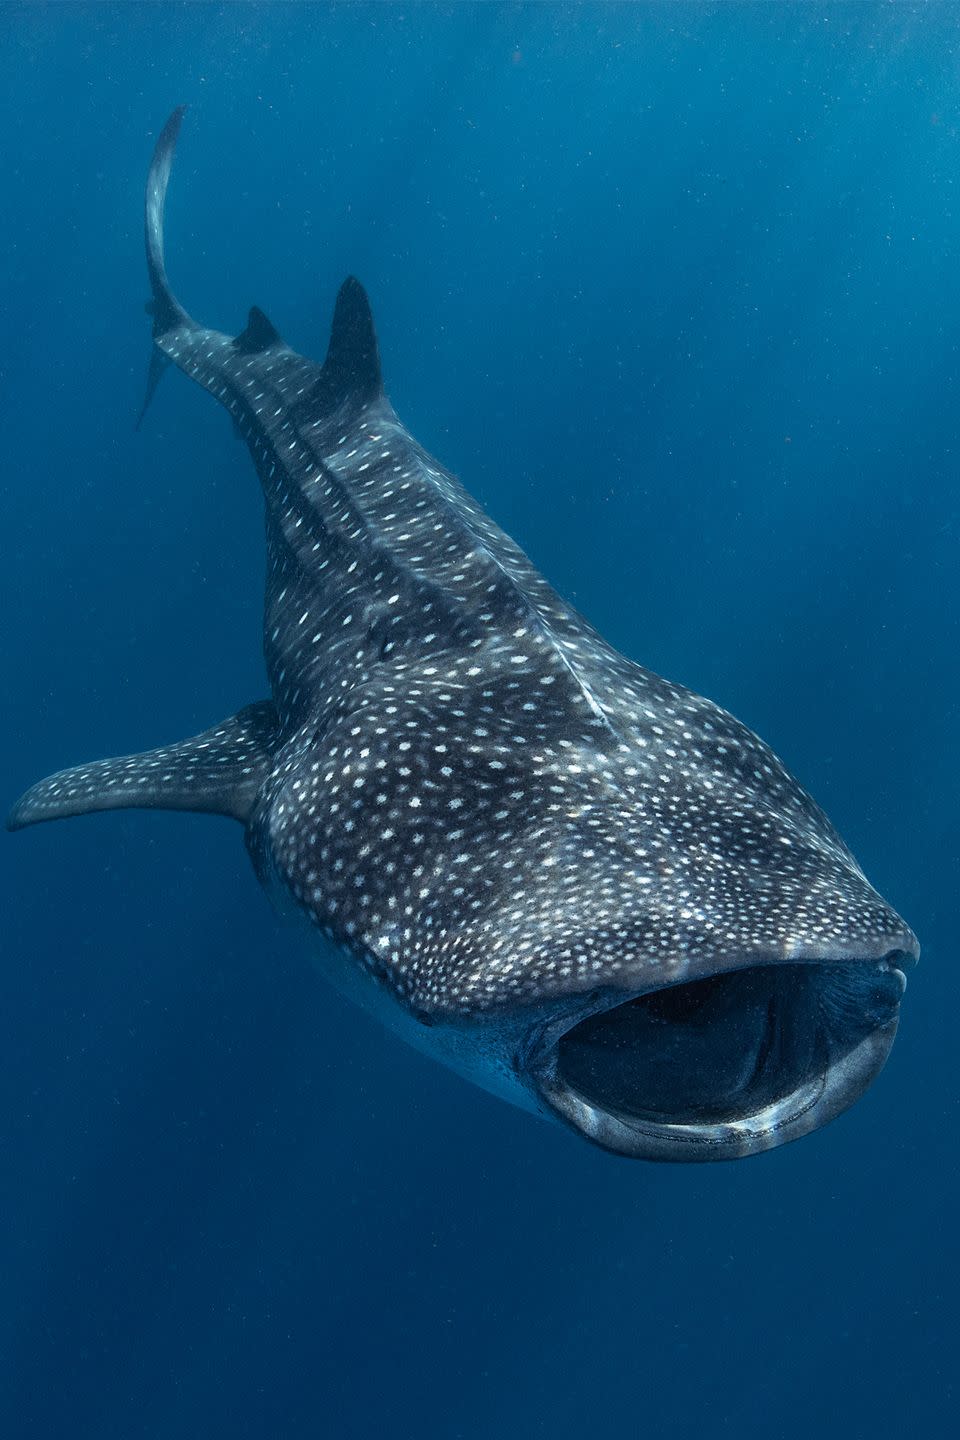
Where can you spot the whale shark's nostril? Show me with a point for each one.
(896, 965)
(854, 996)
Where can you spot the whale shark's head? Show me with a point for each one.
(685, 1027)
(652, 935)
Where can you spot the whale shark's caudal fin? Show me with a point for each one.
(165, 308)
(350, 372)
(219, 771)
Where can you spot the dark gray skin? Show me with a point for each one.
(587, 888)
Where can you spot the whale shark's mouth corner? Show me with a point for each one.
(728, 1065)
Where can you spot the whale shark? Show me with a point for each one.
(582, 886)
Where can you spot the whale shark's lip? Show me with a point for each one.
(728, 1064)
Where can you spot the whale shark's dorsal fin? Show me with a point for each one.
(219, 771)
(351, 370)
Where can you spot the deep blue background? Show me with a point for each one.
(677, 291)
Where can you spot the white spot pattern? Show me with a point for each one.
(469, 789)
(465, 761)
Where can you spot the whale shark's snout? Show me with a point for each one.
(726, 1065)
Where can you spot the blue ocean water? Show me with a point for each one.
(675, 290)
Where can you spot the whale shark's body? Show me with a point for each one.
(585, 887)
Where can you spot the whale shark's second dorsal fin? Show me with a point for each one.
(259, 334)
(219, 771)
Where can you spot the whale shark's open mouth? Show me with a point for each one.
(721, 1067)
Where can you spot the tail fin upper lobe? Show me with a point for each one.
(166, 310)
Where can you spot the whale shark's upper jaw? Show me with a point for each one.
(727, 1064)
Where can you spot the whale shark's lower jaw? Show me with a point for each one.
(726, 1065)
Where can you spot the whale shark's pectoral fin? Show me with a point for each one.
(219, 771)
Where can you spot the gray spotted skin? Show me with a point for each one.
(474, 802)
(498, 805)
